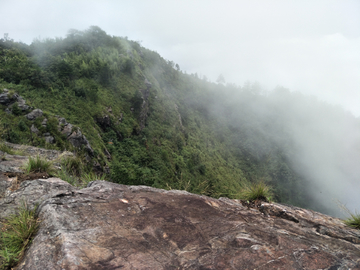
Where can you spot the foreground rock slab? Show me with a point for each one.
(110, 226)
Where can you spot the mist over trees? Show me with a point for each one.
(208, 138)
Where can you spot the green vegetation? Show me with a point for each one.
(353, 221)
(76, 173)
(255, 191)
(6, 149)
(72, 165)
(16, 234)
(86, 178)
(182, 132)
(39, 165)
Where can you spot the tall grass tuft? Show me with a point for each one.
(63, 174)
(354, 218)
(6, 149)
(353, 221)
(72, 165)
(256, 191)
(16, 234)
(39, 165)
(86, 178)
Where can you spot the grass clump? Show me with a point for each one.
(74, 172)
(86, 178)
(353, 221)
(72, 165)
(6, 149)
(256, 191)
(39, 165)
(16, 234)
(354, 218)
(63, 174)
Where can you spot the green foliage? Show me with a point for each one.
(6, 149)
(354, 218)
(39, 165)
(86, 178)
(353, 221)
(74, 172)
(16, 234)
(72, 165)
(22, 125)
(16, 110)
(200, 136)
(63, 174)
(255, 191)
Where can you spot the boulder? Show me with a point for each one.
(111, 226)
(5, 99)
(49, 139)
(34, 129)
(34, 114)
(62, 121)
(67, 130)
(21, 104)
(78, 140)
(44, 122)
(33, 193)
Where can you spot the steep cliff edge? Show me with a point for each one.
(112, 226)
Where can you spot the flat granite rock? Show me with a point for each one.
(111, 226)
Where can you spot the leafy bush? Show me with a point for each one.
(39, 165)
(256, 191)
(16, 234)
(22, 125)
(16, 110)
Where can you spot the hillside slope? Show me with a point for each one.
(149, 123)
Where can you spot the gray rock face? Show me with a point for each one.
(110, 226)
(67, 130)
(5, 100)
(44, 122)
(21, 104)
(33, 193)
(34, 129)
(34, 114)
(49, 139)
(78, 140)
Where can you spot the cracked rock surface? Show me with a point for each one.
(111, 226)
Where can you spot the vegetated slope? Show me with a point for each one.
(156, 125)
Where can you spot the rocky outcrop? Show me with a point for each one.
(111, 226)
(78, 140)
(9, 100)
(6, 99)
(11, 166)
(34, 114)
(21, 104)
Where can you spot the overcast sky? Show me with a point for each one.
(309, 46)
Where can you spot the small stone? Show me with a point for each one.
(34, 114)
(34, 129)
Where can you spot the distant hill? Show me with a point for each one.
(149, 123)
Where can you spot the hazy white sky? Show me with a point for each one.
(312, 46)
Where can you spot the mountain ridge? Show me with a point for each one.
(153, 124)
